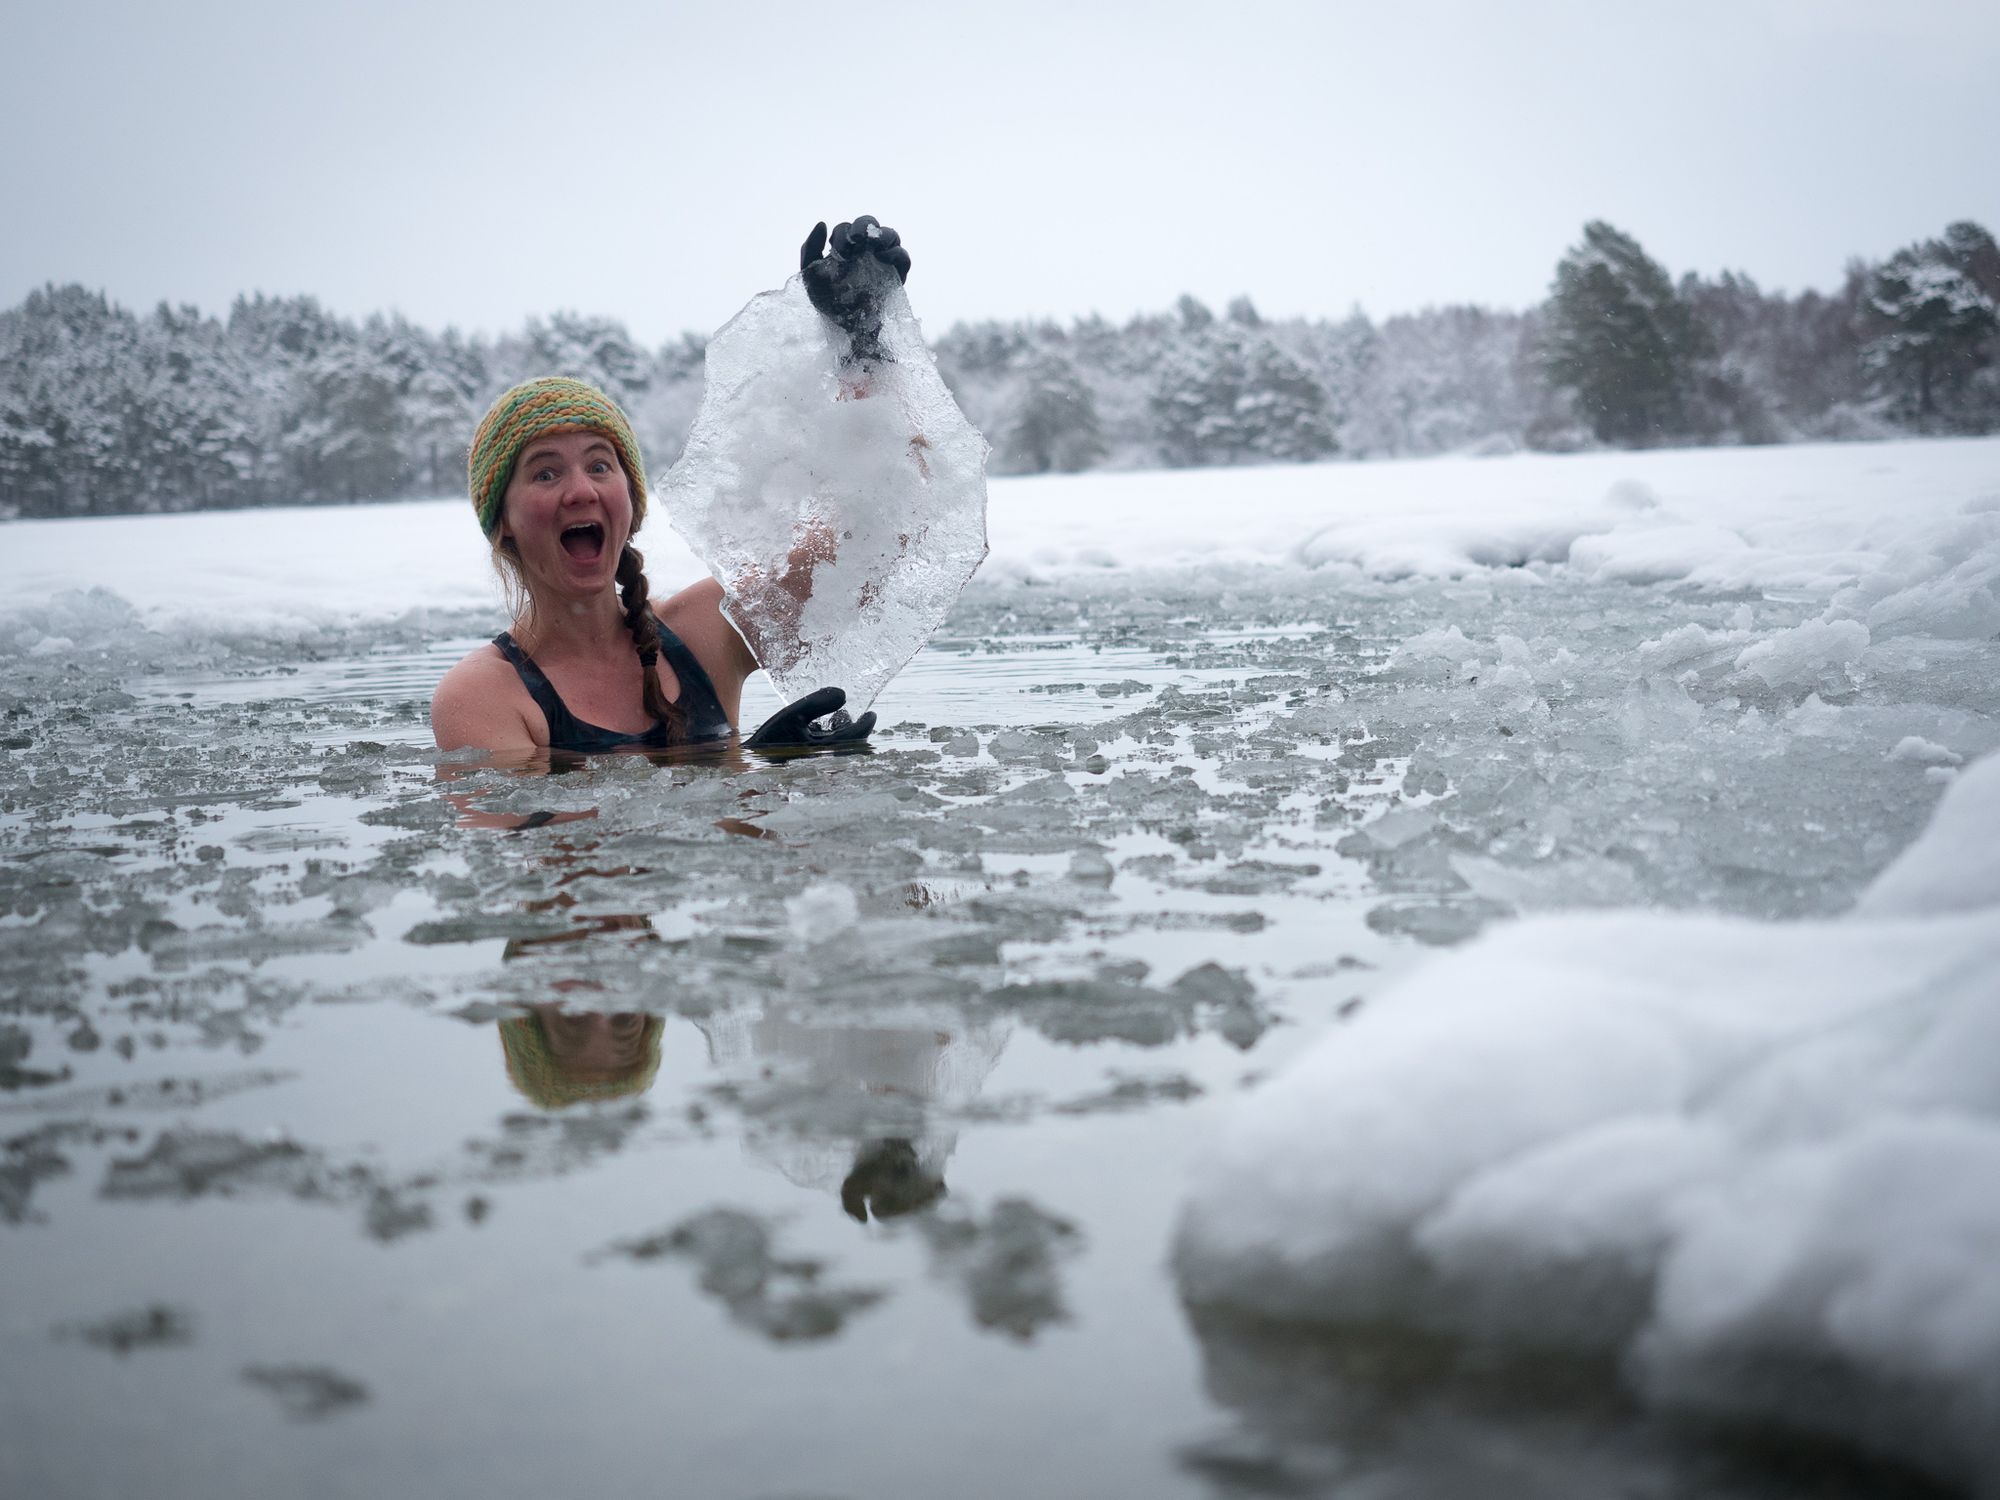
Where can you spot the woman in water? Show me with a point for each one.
(591, 662)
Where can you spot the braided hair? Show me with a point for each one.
(641, 622)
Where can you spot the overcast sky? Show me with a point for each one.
(476, 163)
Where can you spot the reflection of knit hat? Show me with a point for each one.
(555, 403)
(547, 1081)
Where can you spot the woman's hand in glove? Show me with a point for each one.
(792, 726)
(845, 282)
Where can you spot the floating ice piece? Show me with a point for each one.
(1724, 1152)
(1447, 645)
(1914, 749)
(1801, 654)
(842, 506)
(821, 911)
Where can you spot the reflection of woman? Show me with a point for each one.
(557, 1058)
(884, 1095)
(590, 662)
(872, 1107)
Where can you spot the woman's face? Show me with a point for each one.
(568, 513)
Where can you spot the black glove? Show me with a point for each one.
(846, 286)
(793, 724)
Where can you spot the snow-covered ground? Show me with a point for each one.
(1900, 537)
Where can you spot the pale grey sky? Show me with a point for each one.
(473, 164)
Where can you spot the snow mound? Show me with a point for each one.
(1955, 866)
(1754, 1164)
(1900, 538)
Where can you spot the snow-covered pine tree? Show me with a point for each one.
(1284, 411)
(192, 430)
(344, 437)
(70, 368)
(1930, 328)
(596, 350)
(1444, 379)
(1194, 398)
(1616, 337)
(1230, 393)
(1054, 423)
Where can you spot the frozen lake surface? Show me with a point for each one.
(969, 1117)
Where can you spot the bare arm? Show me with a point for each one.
(775, 601)
(695, 615)
(817, 545)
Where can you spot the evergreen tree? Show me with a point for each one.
(663, 415)
(26, 455)
(342, 440)
(1194, 405)
(1344, 357)
(1617, 338)
(1055, 423)
(441, 403)
(1284, 410)
(1930, 327)
(1195, 315)
(71, 367)
(1227, 394)
(596, 350)
(1443, 379)
(192, 432)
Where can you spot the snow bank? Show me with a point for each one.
(1902, 538)
(1755, 1163)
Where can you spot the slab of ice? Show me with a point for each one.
(1726, 1154)
(1805, 652)
(1915, 750)
(842, 506)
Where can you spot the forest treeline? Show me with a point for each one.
(104, 411)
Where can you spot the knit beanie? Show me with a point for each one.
(547, 1081)
(536, 408)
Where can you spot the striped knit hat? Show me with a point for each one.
(555, 403)
(546, 1081)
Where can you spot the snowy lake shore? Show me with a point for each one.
(1419, 977)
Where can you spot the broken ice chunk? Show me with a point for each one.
(841, 503)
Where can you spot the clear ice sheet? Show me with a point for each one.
(868, 480)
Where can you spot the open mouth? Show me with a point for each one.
(584, 541)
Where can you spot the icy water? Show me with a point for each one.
(817, 1128)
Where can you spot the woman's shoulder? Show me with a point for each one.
(694, 603)
(479, 667)
(475, 703)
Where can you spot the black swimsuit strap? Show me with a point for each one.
(700, 708)
(697, 688)
(547, 699)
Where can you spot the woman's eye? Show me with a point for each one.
(543, 476)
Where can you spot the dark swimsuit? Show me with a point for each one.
(698, 703)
